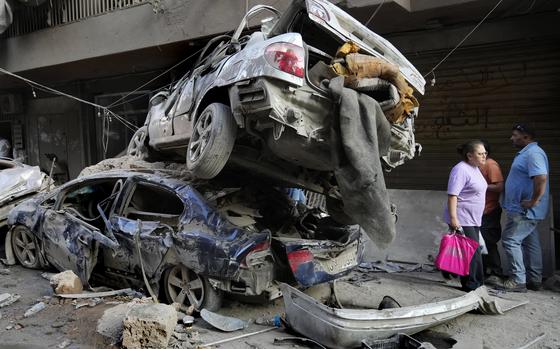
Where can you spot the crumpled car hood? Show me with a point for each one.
(18, 181)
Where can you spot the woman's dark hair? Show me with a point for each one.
(468, 147)
(486, 146)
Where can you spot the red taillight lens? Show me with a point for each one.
(296, 258)
(286, 57)
(262, 246)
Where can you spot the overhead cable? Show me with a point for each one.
(52, 90)
(44, 88)
(464, 39)
(374, 13)
(154, 79)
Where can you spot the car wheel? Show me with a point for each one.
(335, 209)
(138, 146)
(185, 287)
(25, 247)
(212, 141)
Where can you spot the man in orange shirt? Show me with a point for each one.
(491, 229)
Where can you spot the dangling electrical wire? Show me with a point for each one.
(106, 112)
(154, 79)
(464, 39)
(374, 13)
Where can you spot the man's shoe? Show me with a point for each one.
(534, 286)
(511, 286)
(493, 280)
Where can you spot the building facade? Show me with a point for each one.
(112, 52)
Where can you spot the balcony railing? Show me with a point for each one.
(53, 13)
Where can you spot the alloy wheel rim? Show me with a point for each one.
(25, 247)
(200, 137)
(185, 285)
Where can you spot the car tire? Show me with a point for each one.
(211, 142)
(182, 285)
(138, 147)
(25, 247)
(335, 209)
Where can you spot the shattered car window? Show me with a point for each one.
(82, 202)
(153, 203)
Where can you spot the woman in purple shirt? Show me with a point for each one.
(466, 192)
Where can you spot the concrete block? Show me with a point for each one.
(149, 326)
(110, 326)
(66, 283)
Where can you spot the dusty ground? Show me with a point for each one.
(61, 323)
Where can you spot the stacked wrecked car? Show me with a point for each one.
(267, 103)
(314, 100)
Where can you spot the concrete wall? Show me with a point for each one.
(122, 31)
(420, 227)
(54, 126)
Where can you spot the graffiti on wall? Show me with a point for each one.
(463, 98)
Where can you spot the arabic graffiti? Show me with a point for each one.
(455, 116)
(464, 97)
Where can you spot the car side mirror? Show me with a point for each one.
(253, 11)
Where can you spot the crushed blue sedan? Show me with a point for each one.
(188, 242)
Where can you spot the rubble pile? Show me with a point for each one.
(66, 283)
(165, 168)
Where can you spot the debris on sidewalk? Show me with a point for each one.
(343, 328)
(291, 341)
(399, 340)
(124, 291)
(91, 303)
(222, 341)
(8, 298)
(149, 326)
(66, 283)
(64, 344)
(394, 267)
(223, 323)
(35, 309)
(188, 320)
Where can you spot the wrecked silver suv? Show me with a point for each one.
(258, 101)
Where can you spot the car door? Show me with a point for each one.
(144, 221)
(71, 230)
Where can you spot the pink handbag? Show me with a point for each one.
(455, 253)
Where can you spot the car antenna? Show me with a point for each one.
(51, 172)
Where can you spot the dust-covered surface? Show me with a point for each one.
(60, 322)
(167, 168)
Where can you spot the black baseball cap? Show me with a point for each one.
(523, 128)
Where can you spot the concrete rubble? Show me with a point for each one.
(110, 325)
(149, 326)
(66, 283)
(8, 298)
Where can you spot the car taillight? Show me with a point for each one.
(286, 57)
(297, 258)
(261, 246)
